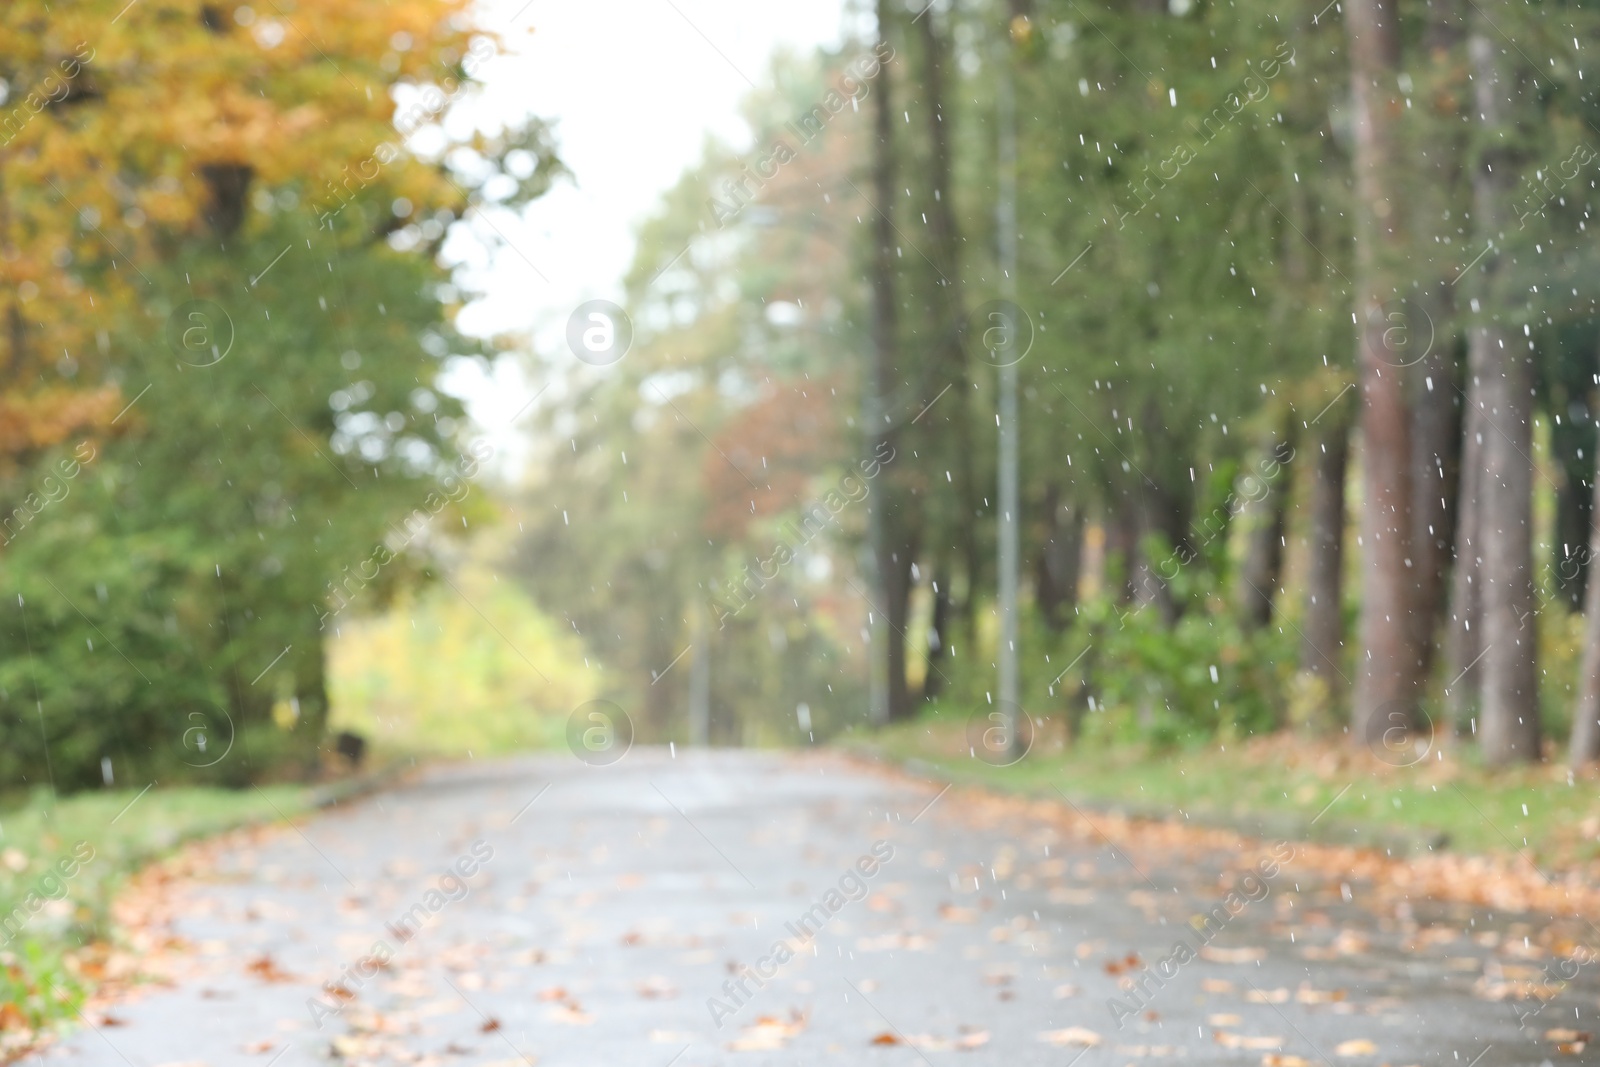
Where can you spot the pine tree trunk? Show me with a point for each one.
(1323, 648)
(892, 523)
(1435, 444)
(1464, 641)
(894, 571)
(1509, 731)
(1388, 680)
(1586, 715)
(938, 633)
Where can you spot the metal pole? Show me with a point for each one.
(1007, 225)
(700, 681)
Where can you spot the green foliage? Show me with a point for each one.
(206, 537)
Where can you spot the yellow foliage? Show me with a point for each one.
(128, 121)
(432, 675)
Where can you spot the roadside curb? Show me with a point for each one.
(332, 794)
(1265, 826)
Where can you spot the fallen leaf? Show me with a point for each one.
(1062, 992)
(1247, 1042)
(1276, 1059)
(951, 913)
(1216, 985)
(1267, 996)
(266, 1044)
(1232, 955)
(1356, 1046)
(490, 1025)
(1223, 1019)
(349, 1047)
(569, 1014)
(555, 992)
(885, 1038)
(265, 969)
(768, 1033)
(1561, 1033)
(1072, 1035)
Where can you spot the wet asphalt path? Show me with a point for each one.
(609, 915)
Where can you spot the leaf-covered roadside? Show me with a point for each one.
(1526, 824)
(56, 931)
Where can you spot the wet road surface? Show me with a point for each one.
(739, 907)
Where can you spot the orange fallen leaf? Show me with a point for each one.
(1356, 1046)
(1072, 1035)
(885, 1038)
(768, 1034)
(490, 1025)
(1562, 1033)
(265, 969)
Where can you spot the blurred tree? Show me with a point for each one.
(241, 230)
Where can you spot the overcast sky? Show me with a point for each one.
(634, 87)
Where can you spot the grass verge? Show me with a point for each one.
(61, 863)
(1290, 786)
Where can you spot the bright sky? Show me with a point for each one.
(634, 87)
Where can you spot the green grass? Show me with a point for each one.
(1293, 786)
(42, 941)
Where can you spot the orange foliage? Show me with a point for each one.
(766, 456)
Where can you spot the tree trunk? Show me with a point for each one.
(938, 632)
(1443, 198)
(947, 310)
(1586, 715)
(1435, 444)
(892, 524)
(1464, 642)
(1259, 571)
(894, 571)
(1323, 647)
(1509, 731)
(1055, 578)
(1388, 680)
